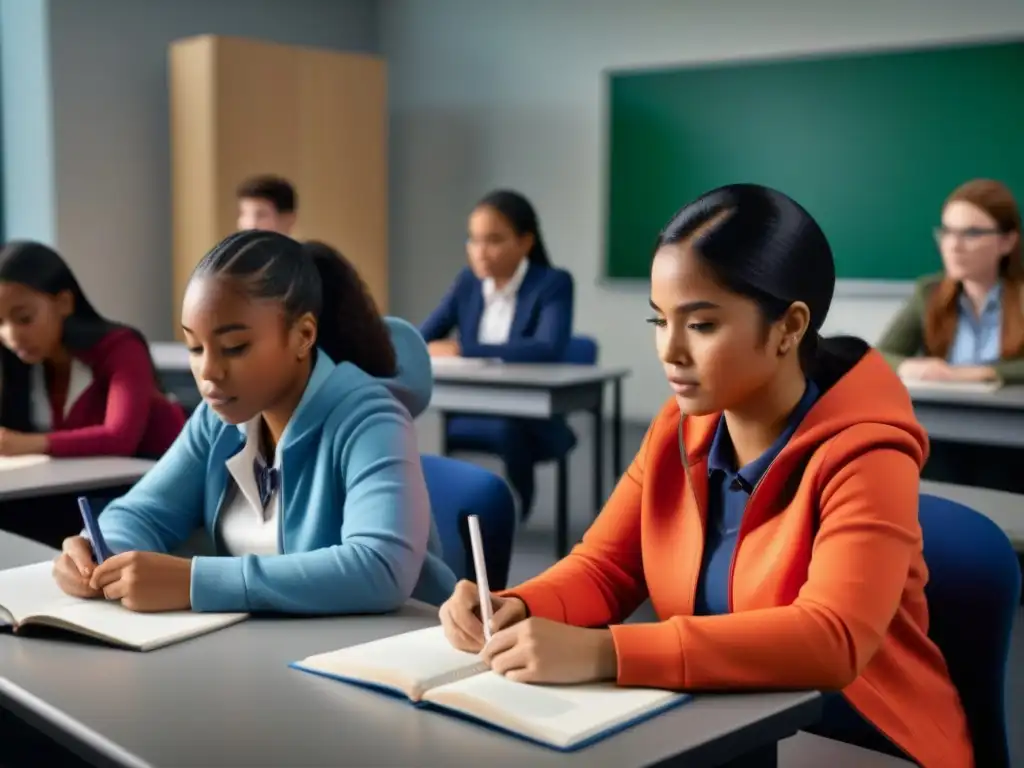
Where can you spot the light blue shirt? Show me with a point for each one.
(978, 338)
(355, 529)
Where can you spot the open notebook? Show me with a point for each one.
(20, 462)
(951, 386)
(422, 666)
(29, 595)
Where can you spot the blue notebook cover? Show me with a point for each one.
(672, 703)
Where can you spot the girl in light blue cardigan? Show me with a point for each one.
(301, 463)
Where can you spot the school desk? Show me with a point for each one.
(53, 477)
(229, 698)
(983, 418)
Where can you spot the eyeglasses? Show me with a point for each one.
(968, 234)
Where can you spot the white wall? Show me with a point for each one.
(109, 174)
(491, 92)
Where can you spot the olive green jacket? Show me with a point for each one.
(905, 335)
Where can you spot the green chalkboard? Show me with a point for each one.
(870, 144)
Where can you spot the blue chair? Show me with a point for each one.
(485, 434)
(459, 489)
(973, 591)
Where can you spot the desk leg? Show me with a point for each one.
(618, 461)
(598, 469)
(562, 509)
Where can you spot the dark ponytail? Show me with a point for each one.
(313, 278)
(520, 214)
(351, 327)
(41, 269)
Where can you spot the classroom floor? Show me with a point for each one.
(535, 547)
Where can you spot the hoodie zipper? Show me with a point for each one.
(696, 501)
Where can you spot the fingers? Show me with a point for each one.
(455, 636)
(116, 590)
(462, 611)
(500, 642)
(109, 570)
(79, 551)
(510, 611)
(70, 580)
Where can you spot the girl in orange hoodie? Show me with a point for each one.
(770, 515)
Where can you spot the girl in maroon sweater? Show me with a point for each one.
(73, 383)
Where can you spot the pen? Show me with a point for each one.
(100, 550)
(476, 542)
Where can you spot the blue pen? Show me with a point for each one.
(100, 550)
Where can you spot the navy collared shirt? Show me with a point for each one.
(729, 491)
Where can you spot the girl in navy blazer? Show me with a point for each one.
(509, 304)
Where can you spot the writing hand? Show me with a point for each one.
(460, 616)
(146, 581)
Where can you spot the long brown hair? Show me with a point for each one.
(995, 199)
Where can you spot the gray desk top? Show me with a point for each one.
(1003, 398)
(229, 699)
(70, 476)
(1004, 509)
(532, 376)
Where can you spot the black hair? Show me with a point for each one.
(520, 214)
(275, 190)
(761, 244)
(310, 277)
(40, 268)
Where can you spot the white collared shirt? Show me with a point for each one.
(79, 380)
(246, 528)
(500, 307)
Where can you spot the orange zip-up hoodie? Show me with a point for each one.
(828, 576)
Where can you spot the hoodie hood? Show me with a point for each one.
(858, 389)
(413, 384)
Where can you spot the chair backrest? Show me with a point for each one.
(973, 591)
(459, 489)
(582, 350)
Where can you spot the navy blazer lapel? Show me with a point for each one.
(526, 298)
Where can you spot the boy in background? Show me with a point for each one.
(268, 203)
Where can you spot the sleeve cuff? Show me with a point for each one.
(649, 655)
(541, 601)
(218, 584)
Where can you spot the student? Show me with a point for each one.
(74, 383)
(268, 203)
(508, 304)
(770, 514)
(301, 463)
(967, 323)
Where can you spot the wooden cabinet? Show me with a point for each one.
(316, 117)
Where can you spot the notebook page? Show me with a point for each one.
(20, 462)
(143, 631)
(561, 715)
(30, 589)
(981, 387)
(412, 661)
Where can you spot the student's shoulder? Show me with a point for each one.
(924, 286)
(121, 346)
(350, 397)
(557, 278)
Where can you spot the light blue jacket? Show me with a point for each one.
(356, 531)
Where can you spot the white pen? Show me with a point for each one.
(480, 566)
